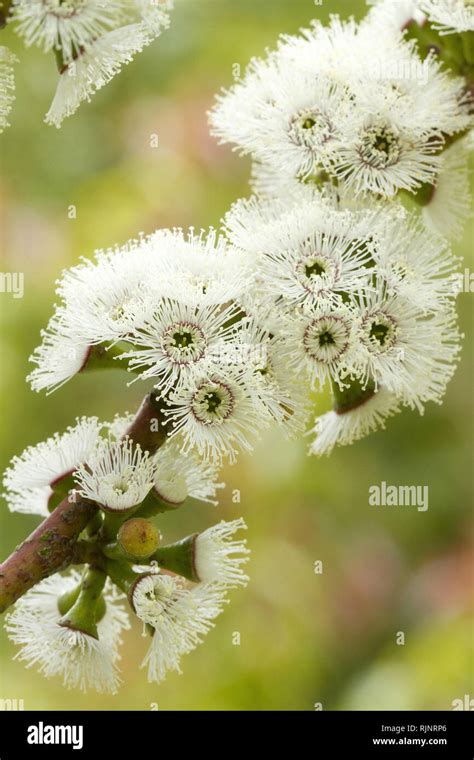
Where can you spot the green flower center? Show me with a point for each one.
(310, 128)
(380, 147)
(184, 343)
(379, 332)
(316, 268)
(212, 403)
(183, 339)
(326, 339)
(65, 8)
(308, 123)
(121, 487)
(316, 272)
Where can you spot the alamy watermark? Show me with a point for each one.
(385, 495)
(12, 282)
(42, 733)
(11, 705)
(463, 703)
(399, 71)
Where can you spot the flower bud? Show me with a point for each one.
(138, 538)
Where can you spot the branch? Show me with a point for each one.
(53, 545)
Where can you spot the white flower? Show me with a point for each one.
(276, 384)
(199, 269)
(325, 342)
(118, 475)
(320, 102)
(450, 16)
(66, 25)
(218, 558)
(32, 476)
(285, 115)
(179, 341)
(60, 356)
(96, 65)
(218, 414)
(450, 203)
(306, 250)
(344, 427)
(291, 104)
(7, 86)
(136, 290)
(410, 353)
(152, 592)
(379, 155)
(415, 263)
(178, 476)
(105, 299)
(279, 97)
(80, 659)
(180, 618)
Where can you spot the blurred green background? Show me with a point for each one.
(305, 638)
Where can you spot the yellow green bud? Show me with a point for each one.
(138, 537)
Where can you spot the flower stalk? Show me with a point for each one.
(87, 609)
(179, 557)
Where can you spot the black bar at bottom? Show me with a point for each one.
(431, 734)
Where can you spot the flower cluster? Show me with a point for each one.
(337, 273)
(362, 299)
(171, 309)
(320, 110)
(61, 626)
(328, 275)
(91, 39)
(353, 130)
(101, 463)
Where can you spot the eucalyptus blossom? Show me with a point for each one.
(90, 40)
(337, 273)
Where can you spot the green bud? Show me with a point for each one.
(138, 538)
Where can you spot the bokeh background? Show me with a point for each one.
(305, 638)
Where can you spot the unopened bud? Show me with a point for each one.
(138, 538)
